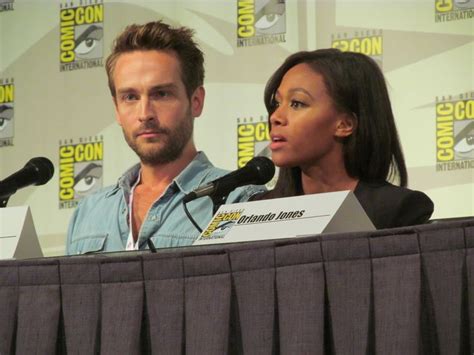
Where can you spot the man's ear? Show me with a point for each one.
(197, 101)
(346, 125)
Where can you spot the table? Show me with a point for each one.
(395, 291)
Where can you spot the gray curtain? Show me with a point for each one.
(396, 291)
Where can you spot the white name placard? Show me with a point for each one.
(286, 217)
(18, 238)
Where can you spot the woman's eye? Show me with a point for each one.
(297, 104)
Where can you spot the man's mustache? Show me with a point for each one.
(151, 127)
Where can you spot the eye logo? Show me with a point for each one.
(260, 22)
(269, 15)
(88, 179)
(81, 169)
(464, 4)
(88, 41)
(221, 224)
(455, 132)
(464, 141)
(81, 36)
(6, 116)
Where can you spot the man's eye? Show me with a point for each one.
(160, 94)
(129, 97)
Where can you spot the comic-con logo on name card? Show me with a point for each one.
(6, 5)
(80, 169)
(455, 132)
(260, 22)
(7, 98)
(221, 224)
(81, 44)
(368, 42)
(452, 10)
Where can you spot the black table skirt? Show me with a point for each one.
(396, 291)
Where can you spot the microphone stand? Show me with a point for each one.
(218, 201)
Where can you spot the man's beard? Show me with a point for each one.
(170, 145)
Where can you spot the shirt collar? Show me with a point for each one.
(188, 180)
(193, 175)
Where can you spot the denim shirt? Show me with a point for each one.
(100, 221)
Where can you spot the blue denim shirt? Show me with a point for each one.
(100, 222)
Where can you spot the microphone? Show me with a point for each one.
(38, 171)
(258, 171)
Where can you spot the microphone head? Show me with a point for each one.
(263, 168)
(42, 168)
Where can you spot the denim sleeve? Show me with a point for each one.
(243, 194)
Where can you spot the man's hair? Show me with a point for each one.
(356, 86)
(160, 37)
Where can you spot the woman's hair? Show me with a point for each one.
(356, 85)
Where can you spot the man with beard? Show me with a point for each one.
(155, 75)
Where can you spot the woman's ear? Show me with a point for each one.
(346, 125)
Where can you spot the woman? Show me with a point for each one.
(332, 129)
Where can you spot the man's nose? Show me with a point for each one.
(146, 111)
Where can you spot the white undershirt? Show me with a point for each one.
(131, 244)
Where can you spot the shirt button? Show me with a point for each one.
(154, 218)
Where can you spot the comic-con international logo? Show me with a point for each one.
(221, 224)
(455, 132)
(7, 97)
(6, 5)
(369, 42)
(81, 35)
(452, 10)
(80, 169)
(260, 22)
(253, 138)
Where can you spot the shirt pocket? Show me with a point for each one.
(88, 244)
